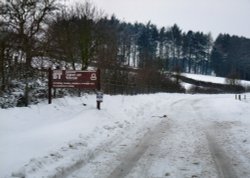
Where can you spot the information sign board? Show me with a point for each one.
(74, 79)
(99, 96)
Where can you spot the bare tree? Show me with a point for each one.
(26, 19)
(3, 47)
(88, 15)
(74, 34)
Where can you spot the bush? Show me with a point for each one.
(204, 90)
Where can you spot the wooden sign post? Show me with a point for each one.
(73, 79)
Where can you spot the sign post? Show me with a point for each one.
(99, 95)
(99, 99)
(50, 86)
(73, 79)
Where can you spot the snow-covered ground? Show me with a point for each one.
(157, 135)
(209, 78)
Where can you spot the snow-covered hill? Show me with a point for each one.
(212, 79)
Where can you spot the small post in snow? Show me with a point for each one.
(99, 99)
(99, 94)
(50, 86)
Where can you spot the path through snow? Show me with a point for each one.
(154, 136)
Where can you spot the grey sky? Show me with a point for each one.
(215, 16)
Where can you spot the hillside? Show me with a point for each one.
(213, 79)
(195, 83)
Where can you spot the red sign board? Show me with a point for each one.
(74, 79)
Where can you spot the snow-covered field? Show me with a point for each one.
(157, 135)
(209, 78)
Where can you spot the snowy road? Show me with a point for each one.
(149, 136)
(187, 143)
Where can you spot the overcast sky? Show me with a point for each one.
(215, 16)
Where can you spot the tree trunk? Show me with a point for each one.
(2, 75)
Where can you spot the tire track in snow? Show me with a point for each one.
(228, 148)
(135, 153)
(122, 155)
(196, 160)
(222, 161)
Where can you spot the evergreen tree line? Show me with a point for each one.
(132, 57)
(230, 57)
